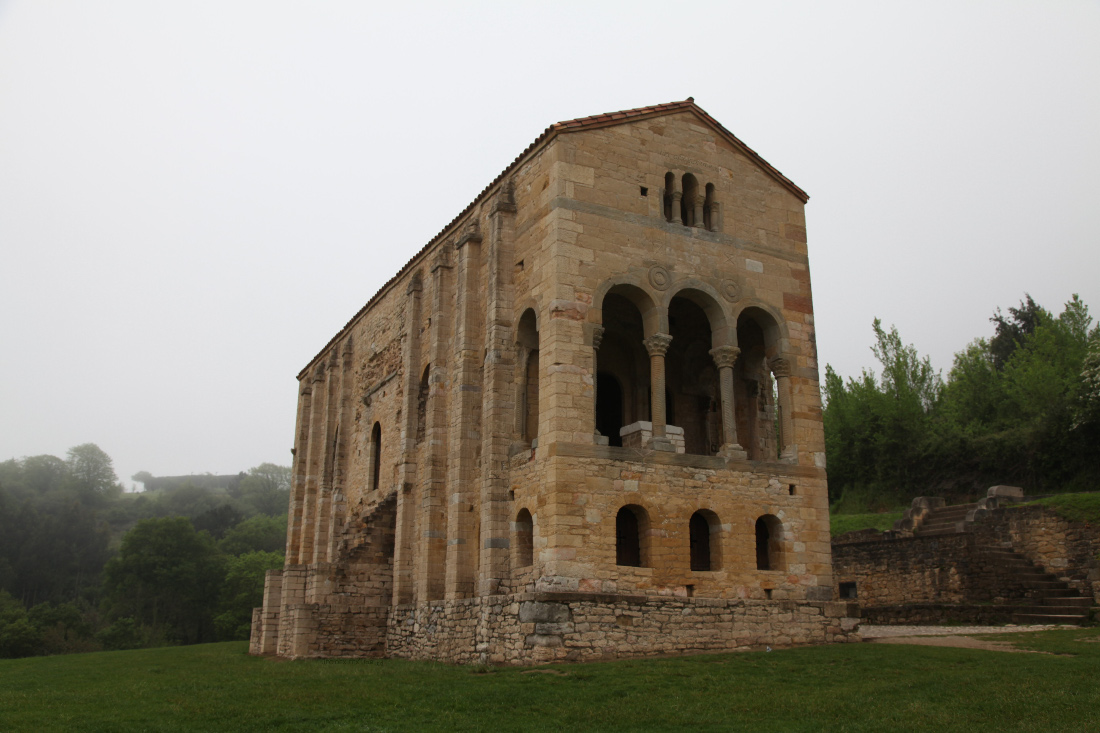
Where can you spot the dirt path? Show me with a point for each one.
(956, 636)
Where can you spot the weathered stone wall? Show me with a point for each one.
(1068, 550)
(919, 579)
(939, 569)
(542, 627)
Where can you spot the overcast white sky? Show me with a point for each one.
(194, 196)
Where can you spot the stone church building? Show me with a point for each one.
(584, 421)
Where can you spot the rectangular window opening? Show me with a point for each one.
(790, 489)
(768, 593)
(645, 191)
(690, 591)
(848, 590)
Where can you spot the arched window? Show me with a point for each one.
(527, 378)
(688, 202)
(670, 185)
(524, 530)
(422, 405)
(375, 456)
(631, 524)
(710, 210)
(704, 542)
(768, 547)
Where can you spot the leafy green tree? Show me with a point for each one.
(266, 489)
(244, 590)
(93, 470)
(18, 636)
(259, 533)
(167, 576)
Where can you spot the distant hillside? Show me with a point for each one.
(202, 480)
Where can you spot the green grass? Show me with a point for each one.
(1078, 507)
(841, 523)
(849, 687)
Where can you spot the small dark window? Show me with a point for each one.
(768, 530)
(645, 191)
(699, 529)
(376, 456)
(525, 534)
(848, 590)
(768, 593)
(790, 489)
(628, 547)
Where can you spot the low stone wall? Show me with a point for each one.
(1066, 549)
(941, 569)
(542, 627)
(958, 577)
(937, 613)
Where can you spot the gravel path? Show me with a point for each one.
(956, 636)
(871, 631)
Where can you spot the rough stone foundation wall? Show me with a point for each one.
(924, 579)
(1067, 549)
(531, 628)
(943, 569)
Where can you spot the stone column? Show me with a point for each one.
(724, 358)
(432, 547)
(404, 537)
(676, 195)
(314, 462)
(657, 345)
(597, 339)
(298, 486)
(497, 404)
(465, 406)
(781, 368)
(699, 220)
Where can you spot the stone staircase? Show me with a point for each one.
(1047, 600)
(944, 520)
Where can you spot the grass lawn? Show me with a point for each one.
(851, 687)
(1078, 507)
(841, 523)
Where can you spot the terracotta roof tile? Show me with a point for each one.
(581, 123)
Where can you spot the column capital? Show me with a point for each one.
(780, 366)
(725, 356)
(597, 336)
(415, 285)
(657, 344)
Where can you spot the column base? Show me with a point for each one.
(733, 451)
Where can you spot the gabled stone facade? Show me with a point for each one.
(584, 421)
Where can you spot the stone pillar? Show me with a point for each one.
(724, 358)
(323, 514)
(404, 537)
(597, 339)
(781, 368)
(657, 345)
(699, 220)
(497, 397)
(314, 454)
(339, 475)
(465, 406)
(298, 480)
(432, 547)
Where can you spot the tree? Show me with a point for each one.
(244, 590)
(167, 576)
(258, 533)
(266, 489)
(93, 470)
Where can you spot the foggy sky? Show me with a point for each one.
(194, 197)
